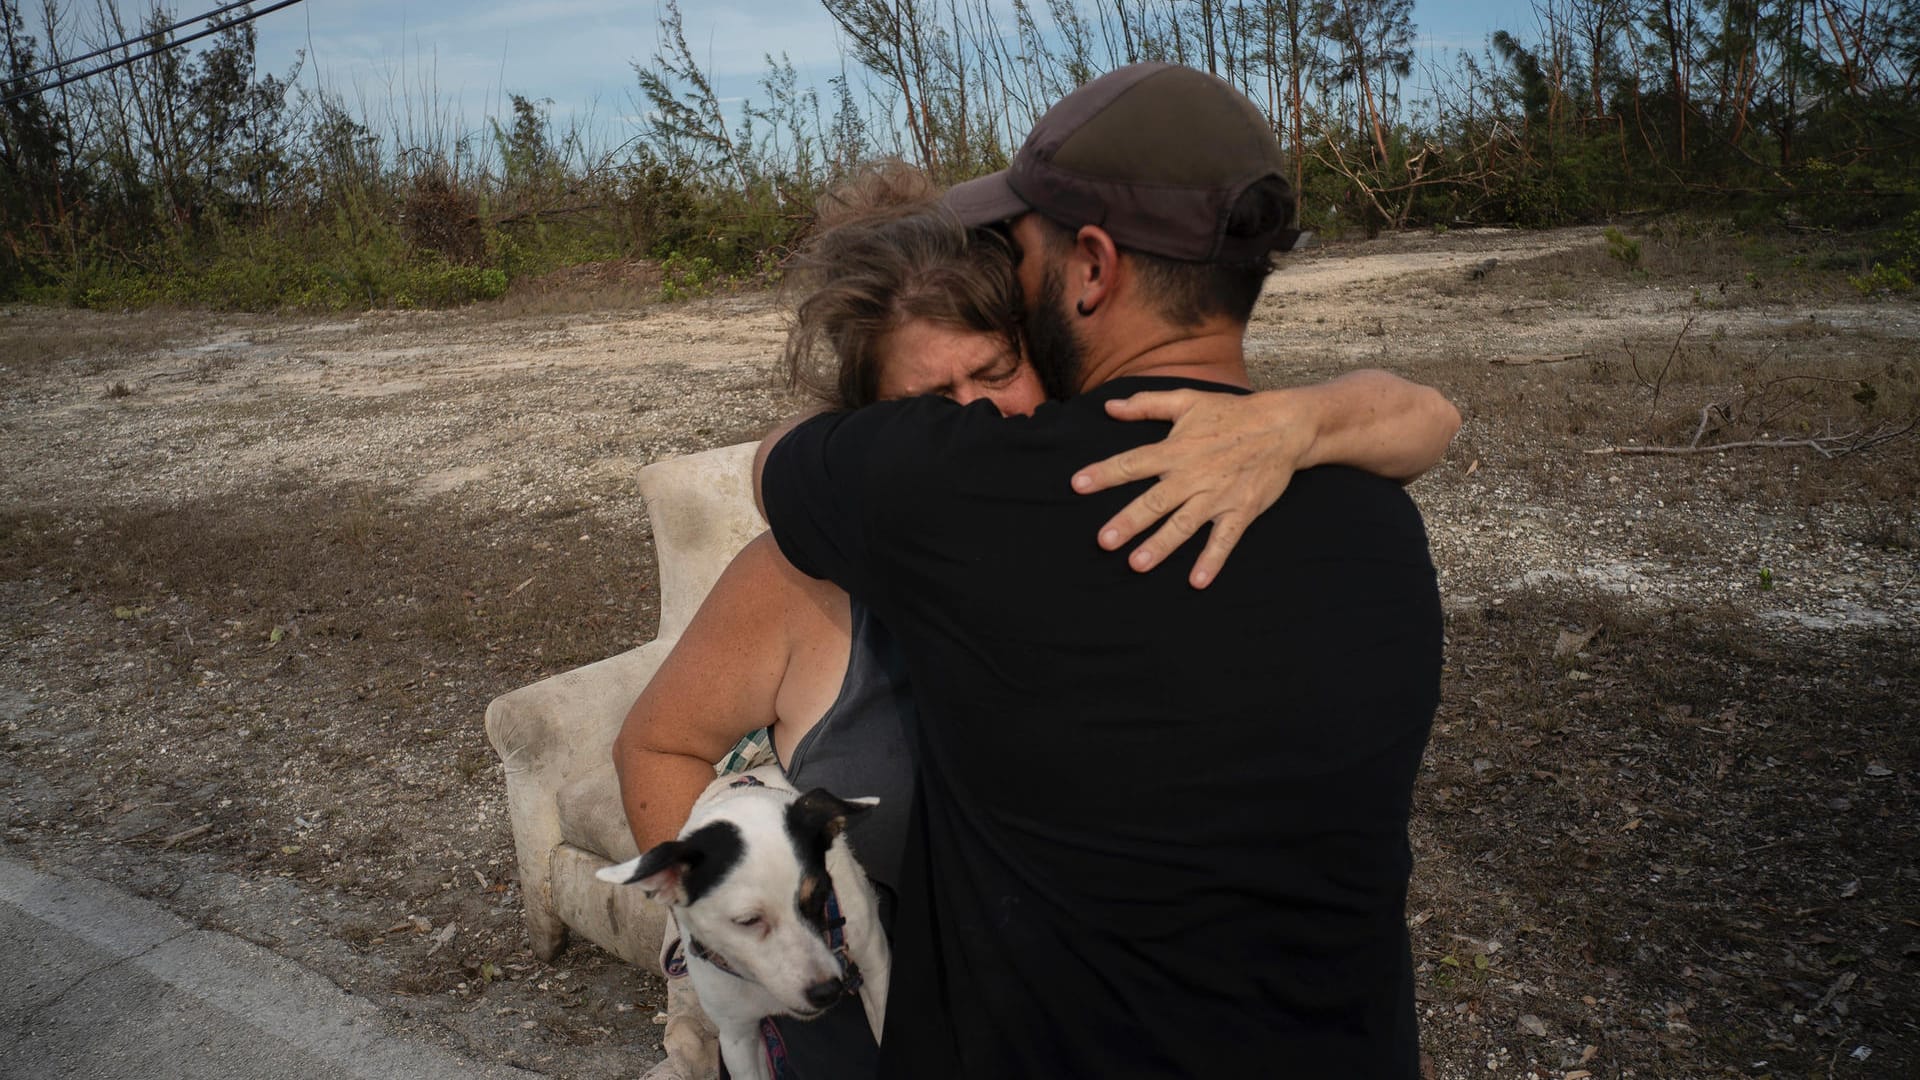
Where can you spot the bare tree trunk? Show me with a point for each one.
(1369, 111)
(903, 18)
(1678, 87)
(1296, 11)
(960, 137)
(1793, 85)
(1848, 63)
(1206, 20)
(1273, 67)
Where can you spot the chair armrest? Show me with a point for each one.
(546, 734)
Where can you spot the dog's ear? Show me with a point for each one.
(659, 871)
(820, 813)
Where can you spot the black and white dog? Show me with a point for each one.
(778, 917)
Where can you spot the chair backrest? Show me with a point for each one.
(701, 506)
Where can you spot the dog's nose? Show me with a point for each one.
(823, 994)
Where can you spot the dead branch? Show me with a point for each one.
(1706, 413)
(1660, 380)
(1827, 446)
(1529, 359)
(1338, 163)
(187, 834)
(1750, 444)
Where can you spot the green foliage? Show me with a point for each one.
(1545, 199)
(1881, 279)
(194, 178)
(259, 271)
(1903, 246)
(683, 277)
(532, 248)
(1622, 248)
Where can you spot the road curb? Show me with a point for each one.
(106, 971)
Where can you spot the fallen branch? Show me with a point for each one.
(1529, 359)
(1706, 414)
(186, 834)
(1751, 444)
(1827, 446)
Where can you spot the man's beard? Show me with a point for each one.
(1052, 346)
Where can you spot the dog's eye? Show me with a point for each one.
(749, 920)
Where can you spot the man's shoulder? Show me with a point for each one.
(901, 424)
(1335, 507)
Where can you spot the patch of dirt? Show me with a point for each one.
(261, 576)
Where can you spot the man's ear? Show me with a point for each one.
(660, 872)
(1095, 267)
(821, 815)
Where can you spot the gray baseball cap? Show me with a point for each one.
(1155, 154)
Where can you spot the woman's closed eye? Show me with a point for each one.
(1001, 373)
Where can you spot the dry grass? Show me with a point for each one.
(1700, 820)
(1654, 387)
(354, 564)
(83, 345)
(604, 286)
(1717, 269)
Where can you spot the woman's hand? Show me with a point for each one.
(1231, 456)
(1227, 459)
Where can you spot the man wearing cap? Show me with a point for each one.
(1161, 830)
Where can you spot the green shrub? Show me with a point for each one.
(1903, 246)
(1622, 248)
(1881, 279)
(683, 277)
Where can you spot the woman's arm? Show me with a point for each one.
(1229, 457)
(720, 682)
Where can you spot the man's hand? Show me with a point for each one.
(1229, 457)
(1226, 460)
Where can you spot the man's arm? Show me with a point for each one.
(721, 681)
(766, 448)
(820, 479)
(1229, 457)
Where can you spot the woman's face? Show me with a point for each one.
(926, 357)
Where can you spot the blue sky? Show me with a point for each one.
(579, 53)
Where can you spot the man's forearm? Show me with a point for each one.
(1376, 421)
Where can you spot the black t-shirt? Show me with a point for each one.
(1160, 831)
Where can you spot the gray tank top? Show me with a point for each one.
(859, 748)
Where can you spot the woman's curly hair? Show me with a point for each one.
(884, 252)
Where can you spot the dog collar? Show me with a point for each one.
(711, 957)
(837, 941)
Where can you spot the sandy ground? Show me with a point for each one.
(263, 573)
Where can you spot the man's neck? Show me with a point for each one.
(1216, 354)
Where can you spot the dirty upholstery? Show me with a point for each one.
(555, 737)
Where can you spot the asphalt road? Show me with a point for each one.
(103, 985)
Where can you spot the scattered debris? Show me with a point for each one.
(185, 835)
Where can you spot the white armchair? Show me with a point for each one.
(555, 737)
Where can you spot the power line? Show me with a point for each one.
(72, 60)
(123, 62)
